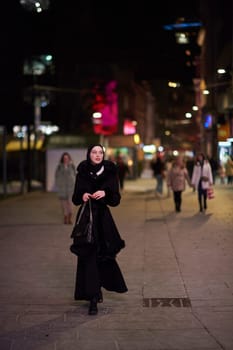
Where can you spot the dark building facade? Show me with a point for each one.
(216, 75)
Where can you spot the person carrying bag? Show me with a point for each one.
(202, 179)
(97, 267)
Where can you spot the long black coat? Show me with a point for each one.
(97, 266)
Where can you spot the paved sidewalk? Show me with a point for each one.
(178, 268)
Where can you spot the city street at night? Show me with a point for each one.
(177, 266)
(98, 92)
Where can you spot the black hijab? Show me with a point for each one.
(93, 169)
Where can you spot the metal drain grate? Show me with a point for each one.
(166, 302)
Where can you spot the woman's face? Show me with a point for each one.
(96, 155)
(179, 161)
(66, 159)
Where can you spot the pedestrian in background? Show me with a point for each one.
(176, 180)
(222, 174)
(168, 166)
(229, 170)
(65, 174)
(202, 179)
(214, 167)
(158, 168)
(123, 170)
(97, 180)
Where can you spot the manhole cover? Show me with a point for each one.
(166, 302)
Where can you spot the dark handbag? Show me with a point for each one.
(82, 232)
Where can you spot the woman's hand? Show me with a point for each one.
(86, 196)
(98, 194)
(204, 178)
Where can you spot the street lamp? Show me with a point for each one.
(35, 5)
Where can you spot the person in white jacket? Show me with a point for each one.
(202, 179)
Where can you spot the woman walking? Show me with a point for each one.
(97, 180)
(202, 179)
(176, 180)
(64, 182)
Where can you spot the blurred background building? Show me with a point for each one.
(117, 73)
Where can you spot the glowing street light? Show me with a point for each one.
(35, 5)
(221, 71)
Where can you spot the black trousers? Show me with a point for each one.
(202, 197)
(177, 199)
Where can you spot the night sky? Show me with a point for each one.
(91, 31)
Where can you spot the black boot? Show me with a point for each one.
(93, 310)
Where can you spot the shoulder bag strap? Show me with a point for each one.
(90, 207)
(81, 212)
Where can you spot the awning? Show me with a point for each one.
(18, 145)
